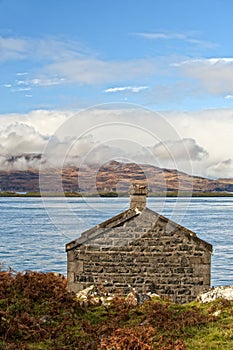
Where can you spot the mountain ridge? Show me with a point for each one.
(113, 176)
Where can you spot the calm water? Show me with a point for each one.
(34, 231)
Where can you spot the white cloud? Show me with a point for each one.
(201, 139)
(45, 81)
(12, 48)
(221, 169)
(29, 84)
(212, 129)
(158, 35)
(65, 61)
(218, 60)
(43, 121)
(51, 49)
(27, 134)
(162, 35)
(22, 73)
(96, 71)
(57, 49)
(172, 92)
(58, 61)
(206, 61)
(21, 82)
(24, 89)
(187, 37)
(17, 142)
(19, 138)
(20, 162)
(127, 89)
(175, 149)
(215, 75)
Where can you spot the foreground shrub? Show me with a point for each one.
(38, 313)
(34, 306)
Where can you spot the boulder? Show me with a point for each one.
(216, 293)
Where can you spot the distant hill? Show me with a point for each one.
(113, 176)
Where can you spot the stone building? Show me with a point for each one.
(142, 249)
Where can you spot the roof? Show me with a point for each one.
(128, 226)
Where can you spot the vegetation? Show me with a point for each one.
(115, 194)
(37, 312)
(191, 194)
(38, 194)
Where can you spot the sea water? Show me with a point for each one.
(34, 231)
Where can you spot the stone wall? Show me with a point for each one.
(168, 262)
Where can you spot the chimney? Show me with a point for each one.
(138, 195)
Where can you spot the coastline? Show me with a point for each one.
(115, 194)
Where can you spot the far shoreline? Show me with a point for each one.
(106, 194)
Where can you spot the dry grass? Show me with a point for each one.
(37, 312)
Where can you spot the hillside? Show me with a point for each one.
(113, 176)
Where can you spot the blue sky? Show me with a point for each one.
(176, 57)
(72, 54)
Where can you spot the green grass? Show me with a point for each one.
(37, 313)
(217, 334)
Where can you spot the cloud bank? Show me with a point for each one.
(205, 136)
(196, 152)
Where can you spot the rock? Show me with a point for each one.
(106, 300)
(153, 295)
(134, 298)
(131, 299)
(85, 292)
(142, 298)
(94, 295)
(218, 292)
(217, 313)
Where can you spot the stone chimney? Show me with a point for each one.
(138, 195)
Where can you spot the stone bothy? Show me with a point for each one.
(142, 249)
